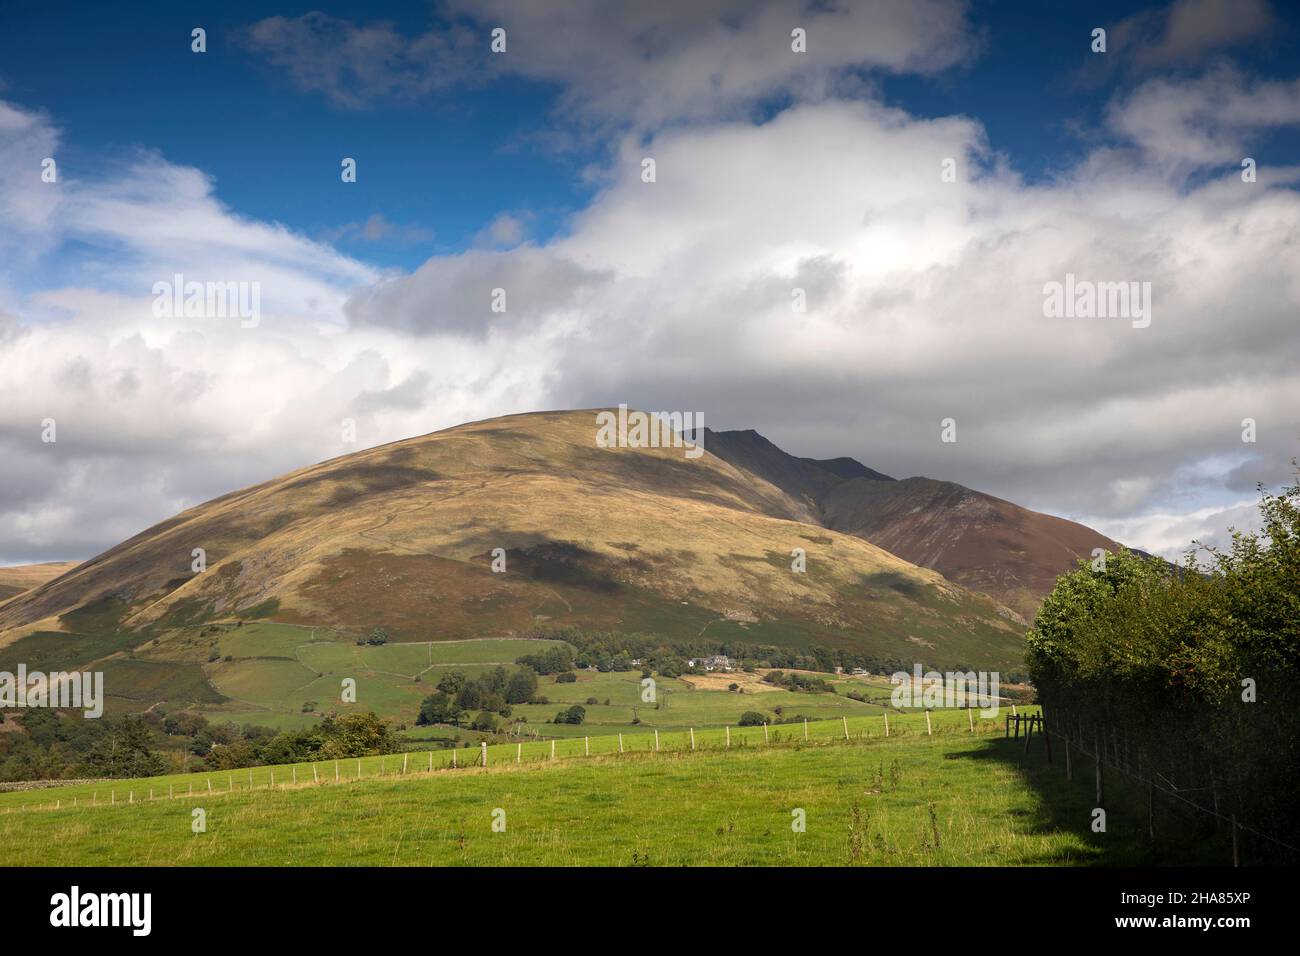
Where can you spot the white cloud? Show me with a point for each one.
(645, 63)
(924, 302)
(1217, 119)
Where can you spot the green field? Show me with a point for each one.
(265, 673)
(954, 798)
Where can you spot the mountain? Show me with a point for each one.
(18, 578)
(637, 539)
(984, 543)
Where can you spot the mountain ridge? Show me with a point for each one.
(402, 536)
(601, 538)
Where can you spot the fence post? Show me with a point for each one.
(692, 738)
(765, 731)
(404, 756)
(293, 772)
(928, 729)
(1101, 793)
(453, 758)
(483, 751)
(970, 718)
(209, 784)
(315, 777)
(656, 740)
(586, 746)
(1151, 811)
(805, 728)
(620, 743)
(885, 713)
(846, 726)
(553, 747)
(519, 753)
(728, 729)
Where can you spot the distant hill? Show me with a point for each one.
(635, 539)
(18, 578)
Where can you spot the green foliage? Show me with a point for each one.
(574, 715)
(554, 660)
(1166, 655)
(125, 751)
(439, 708)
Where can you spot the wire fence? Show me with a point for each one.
(130, 792)
(1114, 750)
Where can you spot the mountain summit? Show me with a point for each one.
(984, 543)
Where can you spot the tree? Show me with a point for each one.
(451, 682)
(574, 715)
(522, 686)
(124, 751)
(439, 708)
(1193, 666)
(752, 718)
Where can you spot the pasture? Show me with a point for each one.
(955, 798)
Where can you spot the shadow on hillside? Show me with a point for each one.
(1061, 806)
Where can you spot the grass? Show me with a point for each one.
(680, 705)
(953, 799)
(531, 751)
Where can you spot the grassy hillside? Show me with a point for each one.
(401, 536)
(955, 798)
(16, 579)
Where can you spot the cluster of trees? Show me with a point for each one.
(492, 695)
(333, 738)
(573, 715)
(53, 744)
(554, 660)
(1189, 676)
(614, 651)
(797, 682)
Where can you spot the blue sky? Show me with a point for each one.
(439, 168)
(777, 170)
